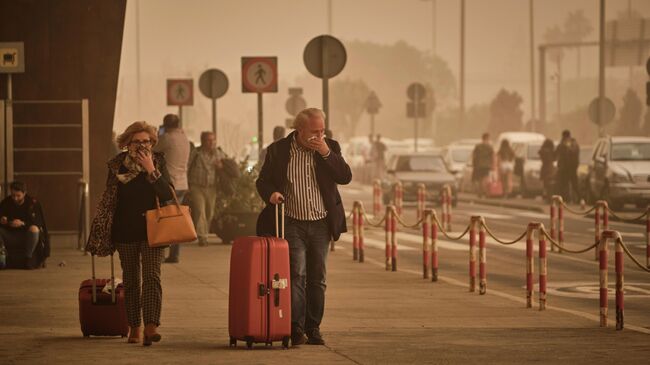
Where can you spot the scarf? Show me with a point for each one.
(133, 167)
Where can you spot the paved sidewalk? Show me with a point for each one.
(372, 316)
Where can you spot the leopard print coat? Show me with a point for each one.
(100, 242)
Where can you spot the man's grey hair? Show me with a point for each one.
(305, 115)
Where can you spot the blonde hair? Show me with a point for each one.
(305, 115)
(124, 139)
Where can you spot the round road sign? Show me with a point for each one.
(609, 110)
(213, 83)
(324, 56)
(295, 104)
(416, 91)
(259, 74)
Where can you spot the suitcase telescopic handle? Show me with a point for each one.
(279, 230)
(94, 283)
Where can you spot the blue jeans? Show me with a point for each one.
(308, 248)
(175, 250)
(20, 237)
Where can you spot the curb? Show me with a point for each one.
(502, 204)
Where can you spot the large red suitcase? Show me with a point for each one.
(100, 313)
(259, 308)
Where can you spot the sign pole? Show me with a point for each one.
(416, 104)
(601, 68)
(9, 93)
(260, 124)
(372, 124)
(180, 114)
(326, 102)
(214, 117)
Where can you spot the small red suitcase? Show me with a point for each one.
(259, 308)
(102, 314)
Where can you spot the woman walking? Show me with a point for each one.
(136, 177)
(506, 163)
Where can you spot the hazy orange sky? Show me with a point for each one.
(182, 38)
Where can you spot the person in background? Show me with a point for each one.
(175, 146)
(304, 170)
(201, 171)
(482, 162)
(547, 172)
(567, 155)
(506, 165)
(278, 133)
(22, 225)
(379, 158)
(136, 178)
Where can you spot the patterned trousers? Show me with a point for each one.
(145, 299)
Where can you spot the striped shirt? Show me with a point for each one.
(303, 198)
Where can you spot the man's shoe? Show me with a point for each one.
(134, 335)
(150, 335)
(314, 337)
(171, 260)
(298, 338)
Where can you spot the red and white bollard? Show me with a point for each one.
(530, 265)
(472, 253)
(421, 201)
(376, 198)
(560, 221)
(448, 205)
(387, 229)
(647, 238)
(602, 269)
(445, 202)
(434, 246)
(398, 197)
(600, 213)
(360, 234)
(482, 253)
(543, 268)
(618, 264)
(393, 240)
(425, 243)
(355, 231)
(556, 201)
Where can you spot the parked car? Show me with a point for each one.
(456, 157)
(412, 169)
(620, 171)
(528, 167)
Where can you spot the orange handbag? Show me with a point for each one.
(171, 224)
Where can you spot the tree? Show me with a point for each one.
(630, 115)
(348, 98)
(505, 112)
(576, 27)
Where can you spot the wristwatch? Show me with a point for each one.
(154, 175)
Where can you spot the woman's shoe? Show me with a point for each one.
(150, 335)
(134, 335)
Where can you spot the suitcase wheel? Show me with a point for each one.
(233, 342)
(285, 342)
(249, 342)
(86, 336)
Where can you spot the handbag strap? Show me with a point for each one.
(178, 204)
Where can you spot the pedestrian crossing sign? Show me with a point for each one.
(180, 92)
(259, 74)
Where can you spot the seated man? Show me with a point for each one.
(22, 229)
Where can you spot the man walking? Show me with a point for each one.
(483, 161)
(567, 155)
(176, 147)
(303, 170)
(203, 190)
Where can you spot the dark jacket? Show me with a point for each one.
(329, 172)
(100, 240)
(567, 155)
(31, 213)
